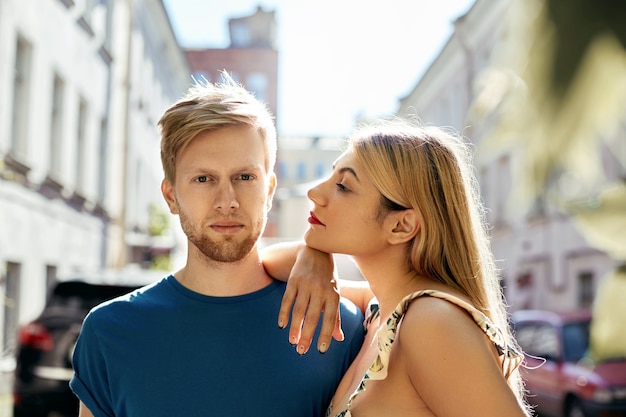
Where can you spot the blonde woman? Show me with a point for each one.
(403, 202)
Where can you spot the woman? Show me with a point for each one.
(403, 202)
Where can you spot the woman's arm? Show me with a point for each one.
(311, 290)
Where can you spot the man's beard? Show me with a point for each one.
(227, 250)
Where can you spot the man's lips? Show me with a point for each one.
(227, 227)
(314, 220)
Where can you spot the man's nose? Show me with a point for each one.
(226, 198)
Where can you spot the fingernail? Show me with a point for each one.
(281, 324)
(301, 350)
(323, 348)
(293, 340)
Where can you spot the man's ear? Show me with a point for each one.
(271, 190)
(402, 225)
(168, 194)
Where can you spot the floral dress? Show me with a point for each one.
(511, 358)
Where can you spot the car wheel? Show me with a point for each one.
(575, 409)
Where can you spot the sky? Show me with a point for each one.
(338, 59)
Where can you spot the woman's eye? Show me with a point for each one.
(341, 187)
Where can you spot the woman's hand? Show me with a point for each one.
(311, 290)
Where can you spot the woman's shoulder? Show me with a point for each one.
(433, 308)
(435, 302)
(436, 335)
(446, 320)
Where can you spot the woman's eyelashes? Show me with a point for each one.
(342, 188)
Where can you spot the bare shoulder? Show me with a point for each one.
(438, 325)
(441, 348)
(433, 311)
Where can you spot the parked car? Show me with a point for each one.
(45, 345)
(562, 380)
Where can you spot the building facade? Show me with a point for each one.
(82, 85)
(545, 261)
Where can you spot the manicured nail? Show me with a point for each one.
(323, 348)
(293, 340)
(301, 350)
(281, 324)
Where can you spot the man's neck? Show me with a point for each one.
(224, 279)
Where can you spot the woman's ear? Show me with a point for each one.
(403, 226)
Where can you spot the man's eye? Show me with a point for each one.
(202, 179)
(245, 177)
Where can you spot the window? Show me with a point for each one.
(538, 208)
(80, 146)
(88, 13)
(21, 92)
(257, 82)
(51, 276)
(108, 23)
(283, 171)
(301, 174)
(56, 127)
(585, 289)
(503, 186)
(320, 170)
(575, 341)
(93, 17)
(546, 342)
(538, 340)
(240, 33)
(101, 161)
(11, 306)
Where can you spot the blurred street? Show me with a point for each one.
(6, 397)
(537, 88)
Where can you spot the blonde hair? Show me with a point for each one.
(429, 170)
(208, 107)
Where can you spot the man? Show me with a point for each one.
(204, 341)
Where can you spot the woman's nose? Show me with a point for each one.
(315, 193)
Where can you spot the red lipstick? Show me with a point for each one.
(314, 220)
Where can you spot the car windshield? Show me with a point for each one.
(575, 340)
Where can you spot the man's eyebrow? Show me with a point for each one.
(347, 169)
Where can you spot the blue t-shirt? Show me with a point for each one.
(164, 350)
